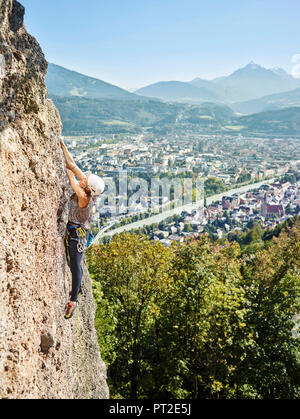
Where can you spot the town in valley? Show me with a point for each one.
(248, 180)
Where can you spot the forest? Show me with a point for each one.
(202, 319)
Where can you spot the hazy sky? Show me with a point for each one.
(132, 43)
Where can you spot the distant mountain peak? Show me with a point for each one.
(254, 81)
(253, 65)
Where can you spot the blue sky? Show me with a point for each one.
(132, 43)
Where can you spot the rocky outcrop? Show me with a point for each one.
(42, 355)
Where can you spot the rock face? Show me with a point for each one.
(42, 355)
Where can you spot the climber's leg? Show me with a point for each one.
(75, 265)
(76, 269)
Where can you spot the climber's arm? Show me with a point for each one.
(82, 197)
(70, 163)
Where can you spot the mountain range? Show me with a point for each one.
(88, 105)
(251, 82)
(247, 83)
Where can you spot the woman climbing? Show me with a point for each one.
(80, 216)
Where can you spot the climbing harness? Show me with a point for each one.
(82, 242)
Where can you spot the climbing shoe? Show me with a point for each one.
(70, 310)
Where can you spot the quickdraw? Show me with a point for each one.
(82, 239)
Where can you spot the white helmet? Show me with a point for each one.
(96, 184)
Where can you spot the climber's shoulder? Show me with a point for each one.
(84, 202)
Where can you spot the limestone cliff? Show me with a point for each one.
(41, 354)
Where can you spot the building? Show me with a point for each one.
(230, 202)
(269, 210)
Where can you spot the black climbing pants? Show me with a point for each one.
(75, 258)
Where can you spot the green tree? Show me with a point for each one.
(200, 319)
(132, 275)
(214, 186)
(203, 322)
(272, 366)
(188, 228)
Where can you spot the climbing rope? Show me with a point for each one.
(67, 241)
